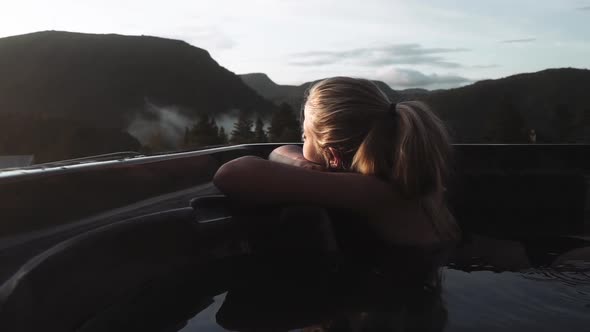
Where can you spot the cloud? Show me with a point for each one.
(315, 62)
(397, 54)
(485, 66)
(514, 41)
(585, 8)
(204, 36)
(214, 37)
(409, 78)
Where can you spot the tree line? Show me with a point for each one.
(284, 127)
(507, 125)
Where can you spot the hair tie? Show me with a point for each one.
(393, 109)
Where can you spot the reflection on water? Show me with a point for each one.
(535, 300)
(205, 320)
(485, 301)
(487, 285)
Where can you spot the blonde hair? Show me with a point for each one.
(405, 144)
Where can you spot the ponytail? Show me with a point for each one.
(374, 155)
(421, 149)
(411, 149)
(422, 153)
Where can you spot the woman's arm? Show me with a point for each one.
(258, 181)
(293, 155)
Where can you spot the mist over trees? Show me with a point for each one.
(284, 127)
(242, 132)
(204, 132)
(260, 135)
(50, 95)
(223, 136)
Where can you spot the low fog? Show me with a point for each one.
(170, 122)
(167, 121)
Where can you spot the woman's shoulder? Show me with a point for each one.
(411, 222)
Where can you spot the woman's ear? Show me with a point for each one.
(334, 158)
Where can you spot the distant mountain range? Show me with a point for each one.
(105, 82)
(65, 95)
(553, 102)
(293, 94)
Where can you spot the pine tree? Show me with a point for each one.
(563, 122)
(203, 133)
(259, 133)
(584, 134)
(156, 142)
(284, 126)
(186, 139)
(242, 132)
(223, 139)
(507, 124)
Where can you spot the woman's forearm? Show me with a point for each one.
(293, 155)
(286, 152)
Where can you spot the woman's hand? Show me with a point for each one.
(293, 155)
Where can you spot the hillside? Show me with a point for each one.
(553, 102)
(105, 82)
(293, 94)
(66, 95)
(290, 94)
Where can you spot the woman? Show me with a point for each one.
(385, 162)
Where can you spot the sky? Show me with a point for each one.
(428, 44)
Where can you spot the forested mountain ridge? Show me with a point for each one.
(293, 94)
(65, 95)
(553, 102)
(75, 73)
(104, 82)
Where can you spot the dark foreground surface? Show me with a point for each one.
(477, 297)
(200, 271)
(115, 245)
(487, 285)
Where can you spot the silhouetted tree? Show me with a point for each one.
(242, 132)
(223, 139)
(564, 122)
(284, 126)
(585, 127)
(186, 139)
(203, 133)
(259, 133)
(156, 142)
(507, 125)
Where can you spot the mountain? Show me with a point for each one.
(266, 87)
(263, 85)
(105, 82)
(551, 102)
(66, 95)
(293, 94)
